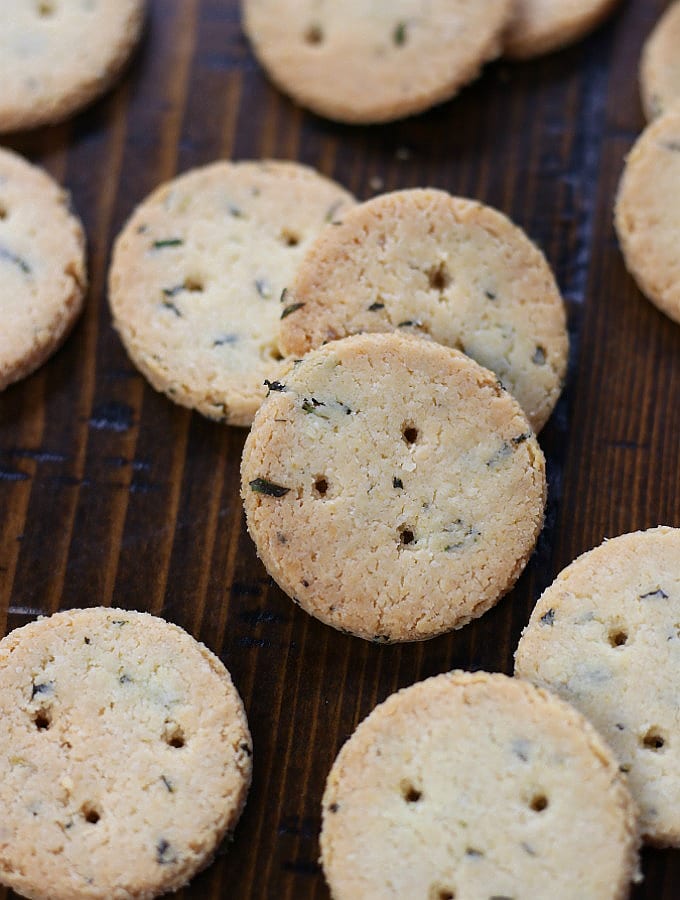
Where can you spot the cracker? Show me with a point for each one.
(648, 215)
(43, 275)
(125, 756)
(360, 63)
(477, 786)
(606, 637)
(56, 56)
(198, 275)
(392, 487)
(429, 264)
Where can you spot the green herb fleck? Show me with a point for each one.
(45, 688)
(410, 323)
(330, 215)
(325, 410)
(262, 486)
(235, 211)
(374, 307)
(548, 618)
(169, 785)
(673, 146)
(521, 438)
(274, 386)
(125, 679)
(173, 291)
(474, 854)
(165, 855)
(490, 295)
(167, 242)
(658, 594)
(289, 310)
(263, 288)
(17, 261)
(311, 406)
(225, 339)
(168, 304)
(463, 532)
(503, 452)
(397, 484)
(284, 294)
(522, 749)
(399, 36)
(538, 359)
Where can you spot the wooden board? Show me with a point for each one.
(109, 494)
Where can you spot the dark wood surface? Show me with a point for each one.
(109, 494)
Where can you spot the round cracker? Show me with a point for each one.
(606, 637)
(56, 56)
(648, 215)
(476, 785)
(433, 265)
(362, 63)
(42, 267)
(198, 274)
(392, 487)
(125, 756)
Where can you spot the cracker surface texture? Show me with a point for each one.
(648, 213)
(125, 756)
(477, 786)
(198, 275)
(606, 637)
(392, 487)
(361, 62)
(42, 267)
(428, 264)
(58, 55)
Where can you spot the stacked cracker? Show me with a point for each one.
(410, 347)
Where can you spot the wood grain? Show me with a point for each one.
(109, 494)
